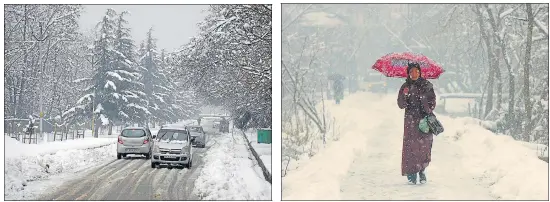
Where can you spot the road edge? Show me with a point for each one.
(267, 175)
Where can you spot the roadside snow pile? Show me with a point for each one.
(15, 148)
(263, 150)
(509, 167)
(540, 150)
(230, 173)
(25, 163)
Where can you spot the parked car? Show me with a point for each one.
(172, 146)
(198, 136)
(134, 140)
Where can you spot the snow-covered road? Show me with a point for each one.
(133, 178)
(468, 162)
(129, 179)
(87, 169)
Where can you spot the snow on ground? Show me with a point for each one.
(230, 172)
(458, 105)
(31, 168)
(263, 150)
(538, 149)
(15, 148)
(468, 161)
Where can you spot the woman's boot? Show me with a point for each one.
(422, 175)
(411, 178)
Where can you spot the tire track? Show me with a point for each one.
(150, 183)
(143, 186)
(172, 191)
(73, 186)
(172, 178)
(158, 190)
(127, 184)
(98, 182)
(104, 188)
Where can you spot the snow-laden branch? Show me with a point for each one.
(541, 27)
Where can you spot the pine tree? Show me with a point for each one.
(157, 87)
(132, 101)
(112, 93)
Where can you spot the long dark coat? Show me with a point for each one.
(417, 146)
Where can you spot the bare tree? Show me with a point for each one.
(526, 64)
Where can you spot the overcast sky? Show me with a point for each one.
(173, 25)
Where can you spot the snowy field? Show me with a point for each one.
(468, 161)
(263, 150)
(230, 172)
(31, 168)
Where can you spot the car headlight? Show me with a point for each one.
(184, 150)
(156, 149)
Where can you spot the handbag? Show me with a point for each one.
(430, 124)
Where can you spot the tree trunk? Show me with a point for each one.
(499, 83)
(491, 60)
(528, 109)
(502, 43)
(96, 129)
(110, 128)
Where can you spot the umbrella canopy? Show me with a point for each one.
(395, 65)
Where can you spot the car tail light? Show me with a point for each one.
(145, 141)
(120, 140)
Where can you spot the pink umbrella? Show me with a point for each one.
(395, 65)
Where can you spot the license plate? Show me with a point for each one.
(131, 150)
(169, 157)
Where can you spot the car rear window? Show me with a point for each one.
(170, 135)
(133, 133)
(195, 129)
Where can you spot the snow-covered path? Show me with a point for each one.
(468, 162)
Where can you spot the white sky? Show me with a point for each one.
(173, 25)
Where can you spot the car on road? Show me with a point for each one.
(134, 140)
(172, 146)
(198, 136)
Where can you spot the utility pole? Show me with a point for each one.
(93, 117)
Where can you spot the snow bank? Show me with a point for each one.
(26, 164)
(14, 148)
(511, 169)
(539, 150)
(263, 150)
(229, 173)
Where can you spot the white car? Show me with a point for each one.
(134, 140)
(172, 146)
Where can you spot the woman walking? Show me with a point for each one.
(417, 97)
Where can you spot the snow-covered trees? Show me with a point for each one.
(160, 90)
(484, 49)
(229, 62)
(113, 93)
(42, 54)
(94, 77)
